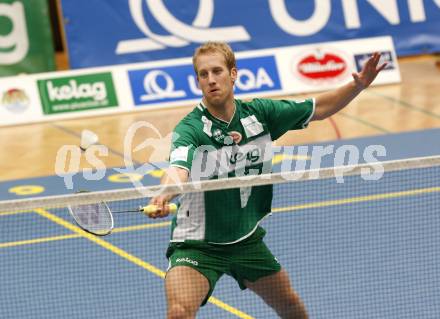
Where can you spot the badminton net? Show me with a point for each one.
(355, 241)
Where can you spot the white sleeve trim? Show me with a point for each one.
(180, 166)
(311, 115)
(179, 154)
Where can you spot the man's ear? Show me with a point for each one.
(234, 74)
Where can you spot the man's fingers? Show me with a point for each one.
(377, 60)
(373, 61)
(383, 66)
(162, 210)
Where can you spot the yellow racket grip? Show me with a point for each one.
(150, 209)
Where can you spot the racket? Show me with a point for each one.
(97, 218)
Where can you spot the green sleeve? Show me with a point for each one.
(184, 142)
(285, 115)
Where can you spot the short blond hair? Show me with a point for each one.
(214, 47)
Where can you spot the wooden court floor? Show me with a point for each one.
(30, 150)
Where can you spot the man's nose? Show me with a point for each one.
(211, 78)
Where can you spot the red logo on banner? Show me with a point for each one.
(322, 66)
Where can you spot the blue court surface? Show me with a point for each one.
(358, 249)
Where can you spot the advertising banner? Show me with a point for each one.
(77, 93)
(25, 37)
(164, 84)
(174, 83)
(148, 30)
(281, 71)
(324, 66)
(19, 100)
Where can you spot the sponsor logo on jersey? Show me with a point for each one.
(317, 66)
(229, 138)
(252, 156)
(236, 137)
(187, 260)
(219, 136)
(15, 100)
(385, 56)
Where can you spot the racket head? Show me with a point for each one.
(95, 218)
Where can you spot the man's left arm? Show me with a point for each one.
(329, 103)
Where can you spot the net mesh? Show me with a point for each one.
(354, 247)
(95, 218)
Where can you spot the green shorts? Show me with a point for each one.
(249, 259)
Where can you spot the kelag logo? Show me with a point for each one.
(179, 83)
(386, 56)
(77, 93)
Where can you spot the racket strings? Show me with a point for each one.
(94, 218)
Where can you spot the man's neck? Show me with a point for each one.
(223, 112)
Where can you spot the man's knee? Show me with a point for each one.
(292, 298)
(291, 306)
(178, 311)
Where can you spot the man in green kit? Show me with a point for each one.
(216, 233)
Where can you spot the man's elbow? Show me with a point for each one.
(319, 116)
(176, 175)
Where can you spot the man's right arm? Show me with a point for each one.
(172, 176)
(181, 156)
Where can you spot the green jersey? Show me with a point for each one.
(210, 148)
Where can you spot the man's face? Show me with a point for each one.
(215, 80)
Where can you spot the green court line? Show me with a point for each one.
(392, 99)
(405, 104)
(364, 122)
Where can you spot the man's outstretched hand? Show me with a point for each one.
(369, 72)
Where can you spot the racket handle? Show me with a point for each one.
(150, 209)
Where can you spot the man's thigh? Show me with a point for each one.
(186, 287)
(188, 266)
